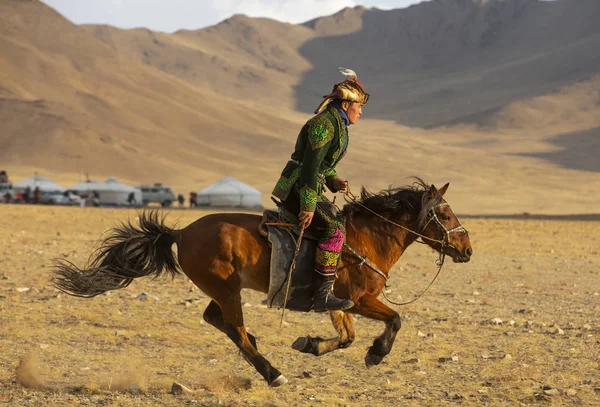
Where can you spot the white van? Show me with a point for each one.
(157, 193)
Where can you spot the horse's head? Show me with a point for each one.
(440, 224)
(420, 208)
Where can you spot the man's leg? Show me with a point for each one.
(332, 232)
(326, 260)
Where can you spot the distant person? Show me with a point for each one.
(131, 199)
(95, 198)
(181, 200)
(193, 200)
(36, 195)
(27, 194)
(3, 176)
(19, 196)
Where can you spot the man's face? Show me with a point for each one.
(353, 110)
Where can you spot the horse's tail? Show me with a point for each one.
(129, 252)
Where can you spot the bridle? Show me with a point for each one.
(445, 242)
(432, 216)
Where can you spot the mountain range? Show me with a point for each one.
(500, 97)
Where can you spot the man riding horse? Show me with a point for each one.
(320, 146)
(224, 253)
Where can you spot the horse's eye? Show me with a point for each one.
(445, 217)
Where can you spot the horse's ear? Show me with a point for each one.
(443, 189)
(433, 191)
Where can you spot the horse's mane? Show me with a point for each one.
(410, 199)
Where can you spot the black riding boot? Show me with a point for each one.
(323, 298)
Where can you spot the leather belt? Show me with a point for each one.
(320, 177)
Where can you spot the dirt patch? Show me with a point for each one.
(515, 326)
(28, 373)
(226, 384)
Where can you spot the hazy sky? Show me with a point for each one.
(171, 15)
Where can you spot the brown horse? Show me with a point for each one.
(224, 253)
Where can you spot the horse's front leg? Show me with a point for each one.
(370, 307)
(343, 324)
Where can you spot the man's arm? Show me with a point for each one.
(320, 134)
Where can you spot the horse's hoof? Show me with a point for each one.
(279, 381)
(301, 343)
(372, 360)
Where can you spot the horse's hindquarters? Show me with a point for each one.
(225, 252)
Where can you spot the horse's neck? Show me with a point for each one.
(381, 242)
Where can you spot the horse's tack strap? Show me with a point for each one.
(365, 261)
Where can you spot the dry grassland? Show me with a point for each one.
(541, 274)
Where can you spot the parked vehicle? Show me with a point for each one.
(157, 193)
(60, 198)
(7, 193)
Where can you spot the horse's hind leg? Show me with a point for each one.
(214, 316)
(343, 324)
(233, 326)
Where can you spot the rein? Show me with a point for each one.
(440, 262)
(354, 199)
(365, 261)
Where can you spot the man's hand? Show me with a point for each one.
(340, 185)
(305, 218)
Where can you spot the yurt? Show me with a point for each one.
(111, 192)
(44, 184)
(229, 192)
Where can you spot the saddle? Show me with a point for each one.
(283, 241)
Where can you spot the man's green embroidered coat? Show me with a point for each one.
(318, 150)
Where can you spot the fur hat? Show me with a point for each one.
(351, 89)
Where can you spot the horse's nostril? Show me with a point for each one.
(469, 251)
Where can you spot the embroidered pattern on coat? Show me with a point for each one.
(320, 132)
(333, 223)
(308, 198)
(285, 184)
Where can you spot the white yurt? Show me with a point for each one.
(229, 192)
(44, 184)
(111, 192)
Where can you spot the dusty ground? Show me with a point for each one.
(541, 274)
